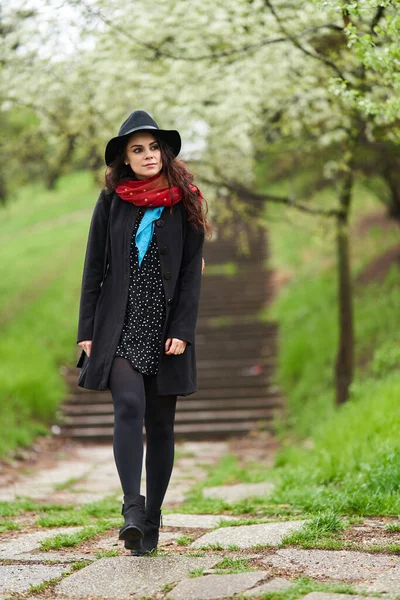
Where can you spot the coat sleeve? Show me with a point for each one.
(183, 319)
(93, 268)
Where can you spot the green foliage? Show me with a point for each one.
(42, 246)
(349, 463)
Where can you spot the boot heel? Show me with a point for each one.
(134, 516)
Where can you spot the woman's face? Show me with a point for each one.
(143, 154)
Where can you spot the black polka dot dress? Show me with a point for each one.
(140, 340)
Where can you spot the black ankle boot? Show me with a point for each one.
(151, 531)
(134, 515)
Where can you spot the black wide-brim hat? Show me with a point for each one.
(137, 121)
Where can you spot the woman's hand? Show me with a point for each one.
(86, 345)
(175, 346)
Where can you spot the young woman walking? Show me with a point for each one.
(138, 309)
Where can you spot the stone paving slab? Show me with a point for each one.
(41, 485)
(246, 536)
(341, 565)
(240, 491)
(21, 546)
(278, 584)
(388, 582)
(196, 521)
(213, 587)
(205, 450)
(127, 577)
(19, 578)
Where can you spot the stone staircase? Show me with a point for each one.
(235, 356)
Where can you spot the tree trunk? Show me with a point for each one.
(62, 161)
(3, 191)
(345, 354)
(393, 182)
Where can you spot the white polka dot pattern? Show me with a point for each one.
(140, 340)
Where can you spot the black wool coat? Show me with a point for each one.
(102, 306)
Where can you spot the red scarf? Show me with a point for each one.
(152, 192)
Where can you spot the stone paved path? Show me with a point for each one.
(199, 559)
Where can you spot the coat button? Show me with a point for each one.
(160, 223)
(140, 212)
(167, 275)
(169, 301)
(164, 250)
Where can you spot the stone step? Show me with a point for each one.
(72, 407)
(214, 351)
(205, 331)
(222, 306)
(232, 364)
(225, 308)
(234, 397)
(182, 430)
(241, 331)
(235, 375)
(266, 391)
(210, 289)
(206, 416)
(225, 254)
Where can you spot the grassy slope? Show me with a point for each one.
(42, 243)
(352, 461)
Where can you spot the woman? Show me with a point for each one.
(138, 309)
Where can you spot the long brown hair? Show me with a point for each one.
(176, 173)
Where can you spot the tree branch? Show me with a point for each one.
(158, 52)
(380, 11)
(293, 39)
(249, 194)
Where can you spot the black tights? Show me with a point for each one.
(135, 400)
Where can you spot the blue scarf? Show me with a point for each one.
(146, 230)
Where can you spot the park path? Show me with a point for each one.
(200, 556)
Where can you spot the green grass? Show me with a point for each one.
(107, 508)
(67, 484)
(240, 522)
(9, 526)
(319, 531)
(233, 565)
(61, 515)
(19, 507)
(229, 471)
(107, 553)
(184, 540)
(304, 585)
(196, 573)
(67, 540)
(349, 461)
(65, 519)
(42, 243)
